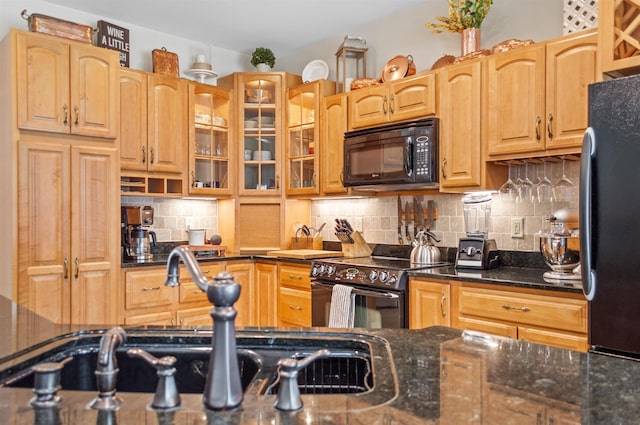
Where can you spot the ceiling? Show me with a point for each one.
(285, 26)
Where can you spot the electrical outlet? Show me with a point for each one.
(517, 227)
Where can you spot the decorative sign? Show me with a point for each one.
(113, 37)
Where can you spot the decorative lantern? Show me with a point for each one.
(351, 62)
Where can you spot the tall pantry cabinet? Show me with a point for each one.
(59, 180)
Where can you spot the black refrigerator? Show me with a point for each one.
(610, 216)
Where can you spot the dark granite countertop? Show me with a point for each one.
(430, 376)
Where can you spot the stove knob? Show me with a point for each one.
(392, 280)
(384, 276)
(331, 270)
(323, 268)
(373, 275)
(314, 270)
(471, 251)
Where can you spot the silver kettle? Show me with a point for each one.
(424, 252)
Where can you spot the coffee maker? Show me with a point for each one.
(476, 251)
(136, 239)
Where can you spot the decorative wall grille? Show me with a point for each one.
(579, 15)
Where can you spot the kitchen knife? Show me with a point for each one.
(430, 215)
(400, 220)
(417, 205)
(408, 216)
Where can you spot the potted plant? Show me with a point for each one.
(263, 59)
(466, 17)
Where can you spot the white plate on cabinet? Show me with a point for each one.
(315, 70)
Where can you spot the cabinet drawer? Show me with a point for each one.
(295, 276)
(165, 318)
(146, 289)
(294, 307)
(538, 310)
(189, 293)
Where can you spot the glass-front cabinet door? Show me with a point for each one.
(260, 115)
(303, 136)
(210, 155)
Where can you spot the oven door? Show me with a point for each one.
(375, 308)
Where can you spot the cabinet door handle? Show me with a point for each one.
(444, 163)
(442, 300)
(151, 158)
(65, 108)
(155, 288)
(66, 269)
(549, 132)
(391, 102)
(77, 265)
(144, 155)
(293, 276)
(538, 121)
(509, 307)
(539, 418)
(172, 321)
(77, 111)
(295, 307)
(384, 105)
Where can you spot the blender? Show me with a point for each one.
(476, 251)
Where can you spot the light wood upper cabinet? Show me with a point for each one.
(460, 125)
(619, 39)
(153, 117)
(68, 253)
(334, 125)
(167, 123)
(66, 87)
(428, 304)
(409, 98)
(537, 98)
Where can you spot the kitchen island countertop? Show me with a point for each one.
(441, 376)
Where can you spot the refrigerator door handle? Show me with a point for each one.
(586, 242)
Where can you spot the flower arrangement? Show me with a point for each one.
(263, 55)
(463, 14)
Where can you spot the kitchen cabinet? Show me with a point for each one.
(556, 319)
(211, 157)
(153, 133)
(618, 37)
(428, 304)
(405, 99)
(64, 86)
(460, 125)
(334, 125)
(267, 290)
(145, 300)
(508, 406)
(260, 112)
(537, 97)
(294, 295)
(68, 243)
(302, 151)
(247, 305)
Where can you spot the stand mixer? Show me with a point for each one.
(560, 247)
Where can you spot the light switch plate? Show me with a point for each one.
(517, 227)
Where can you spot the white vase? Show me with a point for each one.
(263, 67)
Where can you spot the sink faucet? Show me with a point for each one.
(223, 389)
(107, 370)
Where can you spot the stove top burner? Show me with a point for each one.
(387, 272)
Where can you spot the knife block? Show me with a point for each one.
(359, 247)
(306, 243)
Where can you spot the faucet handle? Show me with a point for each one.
(289, 394)
(166, 396)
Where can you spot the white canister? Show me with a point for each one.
(196, 237)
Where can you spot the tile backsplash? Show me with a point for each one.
(377, 218)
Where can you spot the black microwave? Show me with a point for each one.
(393, 157)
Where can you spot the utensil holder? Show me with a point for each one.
(359, 247)
(306, 243)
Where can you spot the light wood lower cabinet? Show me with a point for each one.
(294, 295)
(267, 294)
(557, 319)
(428, 304)
(246, 305)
